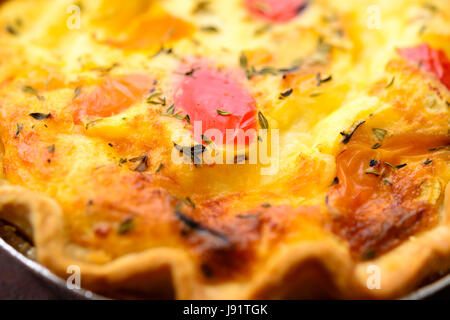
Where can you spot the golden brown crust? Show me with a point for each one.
(320, 269)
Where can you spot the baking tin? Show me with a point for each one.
(54, 282)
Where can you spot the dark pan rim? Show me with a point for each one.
(45, 274)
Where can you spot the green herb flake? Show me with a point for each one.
(262, 30)
(33, 91)
(427, 162)
(430, 6)
(179, 117)
(223, 113)
(126, 225)
(243, 62)
(285, 94)
(156, 99)
(335, 181)
(390, 83)
(92, 123)
(189, 202)
(77, 92)
(11, 30)
(159, 168)
(51, 148)
(264, 124)
(142, 163)
(210, 29)
(161, 51)
(348, 136)
(189, 73)
(379, 133)
(188, 119)
(319, 79)
(201, 7)
(170, 110)
(40, 116)
(268, 70)
(395, 167)
(206, 140)
(107, 69)
(376, 145)
(374, 172)
(18, 130)
(437, 148)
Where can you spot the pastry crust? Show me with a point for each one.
(309, 270)
(359, 206)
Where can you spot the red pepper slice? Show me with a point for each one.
(216, 99)
(276, 10)
(432, 60)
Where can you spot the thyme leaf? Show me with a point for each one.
(170, 110)
(372, 172)
(335, 181)
(33, 91)
(126, 225)
(189, 202)
(51, 148)
(40, 116)
(77, 92)
(202, 6)
(196, 226)
(390, 83)
(262, 121)
(160, 166)
(319, 79)
(206, 140)
(18, 130)
(285, 94)
(395, 167)
(379, 133)
(243, 62)
(348, 136)
(142, 163)
(11, 30)
(376, 146)
(192, 151)
(211, 29)
(223, 113)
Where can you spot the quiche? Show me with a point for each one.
(229, 149)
